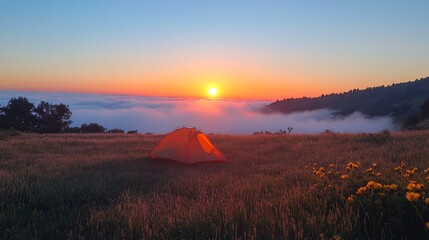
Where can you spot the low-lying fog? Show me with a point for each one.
(160, 115)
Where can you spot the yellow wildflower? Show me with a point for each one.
(350, 199)
(331, 165)
(427, 224)
(361, 191)
(374, 165)
(344, 176)
(351, 165)
(412, 196)
(321, 174)
(411, 171)
(427, 201)
(370, 184)
(369, 170)
(398, 169)
(390, 187)
(426, 170)
(373, 185)
(305, 167)
(378, 174)
(377, 186)
(413, 186)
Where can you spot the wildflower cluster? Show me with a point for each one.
(415, 191)
(372, 170)
(371, 185)
(353, 165)
(363, 188)
(407, 173)
(410, 172)
(321, 172)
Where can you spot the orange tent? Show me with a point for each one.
(187, 145)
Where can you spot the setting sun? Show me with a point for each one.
(213, 91)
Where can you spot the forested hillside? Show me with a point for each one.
(397, 100)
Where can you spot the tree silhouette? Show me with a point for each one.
(424, 108)
(52, 118)
(17, 114)
(412, 120)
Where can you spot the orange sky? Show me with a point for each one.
(237, 82)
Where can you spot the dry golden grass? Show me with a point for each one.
(104, 186)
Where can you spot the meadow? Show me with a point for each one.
(274, 186)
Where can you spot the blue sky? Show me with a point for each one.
(313, 46)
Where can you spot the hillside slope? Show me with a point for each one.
(397, 100)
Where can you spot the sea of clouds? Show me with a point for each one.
(160, 115)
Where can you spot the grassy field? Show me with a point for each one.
(104, 186)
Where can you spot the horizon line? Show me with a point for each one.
(195, 97)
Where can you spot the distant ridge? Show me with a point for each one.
(397, 100)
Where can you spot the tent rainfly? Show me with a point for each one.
(187, 145)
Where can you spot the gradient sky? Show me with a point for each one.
(248, 49)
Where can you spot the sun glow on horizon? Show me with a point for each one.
(213, 92)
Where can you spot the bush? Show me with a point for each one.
(116, 130)
(6, 134)
(377, 138)
(329, 132)
(72, 130)
(92, 128)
